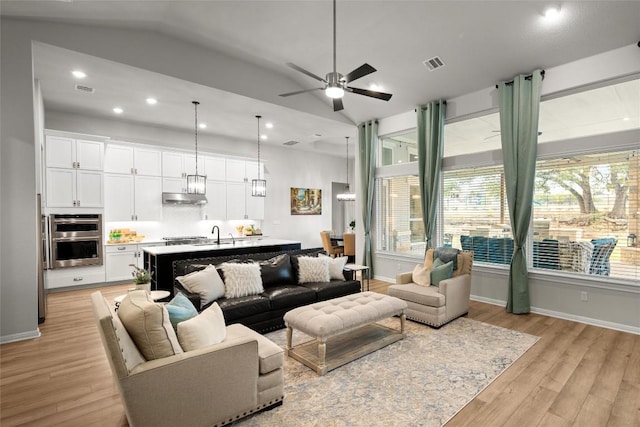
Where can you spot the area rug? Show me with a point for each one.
(423, 380)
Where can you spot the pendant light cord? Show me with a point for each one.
(334, 36)
(258, 117)
(195, 104)
(348, 187)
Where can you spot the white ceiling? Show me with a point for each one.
(480, 42)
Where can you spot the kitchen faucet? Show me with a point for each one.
(232, 239)
(213, 230)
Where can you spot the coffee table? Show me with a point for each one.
(344, 329)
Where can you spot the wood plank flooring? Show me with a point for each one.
(575, 375)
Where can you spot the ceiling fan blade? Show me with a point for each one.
(301, 91)
(359, 72)
(303, 71)
(371, 93)
(337, 104)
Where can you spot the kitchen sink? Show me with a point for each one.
(212, 243)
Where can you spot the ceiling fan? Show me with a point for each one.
(335, 84)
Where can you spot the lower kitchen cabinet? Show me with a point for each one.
(119, 258)
(74, 276)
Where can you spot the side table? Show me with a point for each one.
(362, 269)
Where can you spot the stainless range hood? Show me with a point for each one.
(183, 199)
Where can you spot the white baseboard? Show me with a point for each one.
(566, 316)
(20, 337)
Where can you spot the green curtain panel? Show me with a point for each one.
(519, 109)
(430, 145)
(367, 143)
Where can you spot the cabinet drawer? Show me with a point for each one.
(76, 276)
(114, 249)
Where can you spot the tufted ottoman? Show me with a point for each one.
(344, 329)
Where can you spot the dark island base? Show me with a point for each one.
(161, 265)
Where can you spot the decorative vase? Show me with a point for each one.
(144, 287)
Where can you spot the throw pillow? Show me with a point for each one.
(242, 279)
(313, 269)
(336, 266)
(180, 309)
(277, 271)
(206, 283)
(149, 326)
(421, 275)
(440, 271)
(205, 329)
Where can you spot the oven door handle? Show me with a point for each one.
(75, 239)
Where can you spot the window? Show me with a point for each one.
(398, 149)
(475, 213)
(585, 207)
(400, 214)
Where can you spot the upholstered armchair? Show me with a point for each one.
(210, 386)
(436, 305)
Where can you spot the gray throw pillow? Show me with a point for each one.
(440, 271)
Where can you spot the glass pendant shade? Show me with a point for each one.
(196, 184)
(258, 187)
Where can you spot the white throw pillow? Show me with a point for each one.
(313, 269)
(149, 326)
(205, 329)
(421, 275)
(242, 279)
(206, 283)
(336, 265)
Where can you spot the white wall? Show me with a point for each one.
(614, 305)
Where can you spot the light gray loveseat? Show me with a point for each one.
(211, 386)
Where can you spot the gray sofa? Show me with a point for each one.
(265, 312)
(211, 386)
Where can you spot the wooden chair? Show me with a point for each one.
(349, 240)
(329, 248)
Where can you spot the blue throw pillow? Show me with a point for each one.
(440, 271)
(180, 309)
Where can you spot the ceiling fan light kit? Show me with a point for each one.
(335, 84)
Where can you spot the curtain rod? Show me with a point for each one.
(444, 102)
(526, 78)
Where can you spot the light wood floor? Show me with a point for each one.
(575, 375)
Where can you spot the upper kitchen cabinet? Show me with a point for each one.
(69, 153)
(132, 197)
(175, 168)
(240, 203)
(132, 160)
(236, 170)
(215, 168)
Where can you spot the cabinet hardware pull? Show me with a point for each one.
(78, 203)
(77, 279)
(122, 248)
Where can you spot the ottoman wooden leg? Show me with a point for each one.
(322, 356)
(403, 318)
(289, 339)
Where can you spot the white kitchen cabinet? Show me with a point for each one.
(74, 276)
(216, 207)
(215, 168)
(72, 153)
(132, 160)
(174, 185)
(236, 170)
(120, 257)
(132, 197)
(240, 203)
(175, 168)
(236, 200)
(68, 188)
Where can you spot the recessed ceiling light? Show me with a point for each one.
(117, 110)
(269, 125)
(79, 74)
(152, 101)
(263, 137)
(552, 13)
(626, 119)
(202, 125)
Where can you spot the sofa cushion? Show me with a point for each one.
(440, 271)
(313, 269)
(148, 324)
(289, 296)
(202, 330)
(270, 355)
(421, 275)
(206, 282)
(423, 295)
(336, 266)
(180, 309)
(333, 289)
(241, 279)
(277, 271)
(239, 308)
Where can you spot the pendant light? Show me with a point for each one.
(347, 196)
(196, 184)
(258, 186)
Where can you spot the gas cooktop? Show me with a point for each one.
(184, 240)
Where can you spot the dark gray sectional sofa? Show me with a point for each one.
(279, 272)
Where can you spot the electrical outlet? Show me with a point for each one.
(584, 296)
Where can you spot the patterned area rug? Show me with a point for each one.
(423, 380)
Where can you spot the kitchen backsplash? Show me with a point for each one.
(180, 221)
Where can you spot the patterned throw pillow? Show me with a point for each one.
(313, 269)
(421, 275)
(440, 271)
(242, 279)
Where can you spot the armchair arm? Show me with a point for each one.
(404, 278)
(457, 291)
(201, 387)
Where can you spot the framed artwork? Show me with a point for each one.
(306, 201)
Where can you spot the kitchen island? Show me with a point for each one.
(159, 260)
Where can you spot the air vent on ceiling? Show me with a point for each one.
(86, 89)
(433, 63)
(291, 142)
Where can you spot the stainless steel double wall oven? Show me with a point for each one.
(75, 240)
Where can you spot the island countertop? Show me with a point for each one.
(224, 246)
